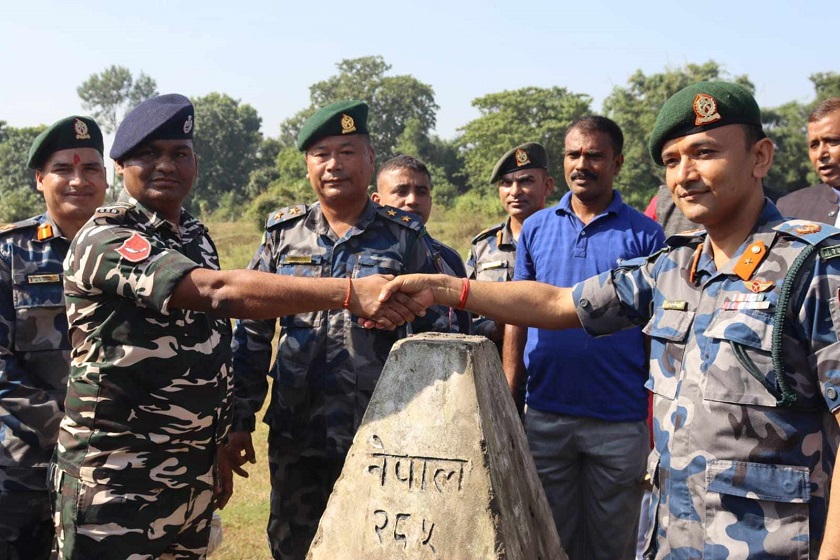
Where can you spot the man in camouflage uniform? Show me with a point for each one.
(524, 184)
(404, 182)
(744, 320)
(34, 349)
(327, 366)
(147, 409)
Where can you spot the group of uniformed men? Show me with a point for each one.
(114, 323)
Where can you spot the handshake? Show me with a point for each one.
(385, 302)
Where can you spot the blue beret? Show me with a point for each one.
(165, 117)
(336, 119)
(65, 134)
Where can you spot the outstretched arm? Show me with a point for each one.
(248, 294)
(524, 303)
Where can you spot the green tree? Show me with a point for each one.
(786, 126)
(510, 118)
(227, 139)
(440, 156)
(18, 197)
(265, 169)
(826, 84)
(112, 93)
(635, 107)
(393, 101)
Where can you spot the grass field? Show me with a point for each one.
(246, 514)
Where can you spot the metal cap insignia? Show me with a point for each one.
(705, 109)
(521, 157)
(348, 125)
(188, 124)
(81, 129)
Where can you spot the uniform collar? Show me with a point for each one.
(315, 220)
(185, 224)
(505, 236)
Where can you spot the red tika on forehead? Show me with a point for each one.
(76, 159)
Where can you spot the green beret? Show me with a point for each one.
(336, 119)
(699, 107)
(66, 134)
(526, 156)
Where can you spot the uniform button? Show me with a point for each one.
(584, 303)
(583, 233)
(832, 393)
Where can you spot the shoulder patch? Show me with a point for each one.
(487, 232)
(810, 232)
(29, 222)
(286, 214)
(405, 219)
(113, 214)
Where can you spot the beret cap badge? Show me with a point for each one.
(81, 130)
(188, 124)
(705, 109)
(521, 157)
(348, 125)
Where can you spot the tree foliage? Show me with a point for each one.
(227, 139)
(510, 118)
(18, 197)
(112, 93)
(826, 84)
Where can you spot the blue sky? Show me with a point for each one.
(269, 53)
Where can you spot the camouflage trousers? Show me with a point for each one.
(26, 529)
(300, 488)
(99, 521)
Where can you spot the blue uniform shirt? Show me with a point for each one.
(570, 372)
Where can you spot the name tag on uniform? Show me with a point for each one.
(492, 264)
(298, 259)
(43, 278)
(676, 305)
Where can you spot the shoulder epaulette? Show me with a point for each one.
(29, 222)
(405, 219)
(285, 214)
(113, 214)
(487, 232)
(812, 233)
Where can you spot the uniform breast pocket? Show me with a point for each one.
(668, 330)
(494, 271)
(368, 265)
(40, 316)
(740, 365)
(749, 504)
(309, 266)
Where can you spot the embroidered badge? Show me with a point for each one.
(807, 229)
(348, 125)
(675, 305)
(81, 129)
(45, 231)
(43, 278)
(135, 249)
(758, 285)
(521, 157)
(188, 125)
(705, 109)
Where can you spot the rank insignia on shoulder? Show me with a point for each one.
(135, 249)
(748, 262)
(675, 305)
(43, 278)
(45, 231)
(392, 213)
(406, 219)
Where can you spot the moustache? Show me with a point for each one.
(583, 174)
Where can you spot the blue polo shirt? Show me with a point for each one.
(570, 372)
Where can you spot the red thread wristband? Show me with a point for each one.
(346, 304)
(465, 293)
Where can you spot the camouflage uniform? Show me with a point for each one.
(148, 397)
(736, 473)
(34, 361)
(327, 365)
(492, 259)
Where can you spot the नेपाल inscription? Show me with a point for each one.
(417, 472)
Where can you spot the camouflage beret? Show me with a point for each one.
(699, 107)
(525, 156)
(336, 119)
(165, 117)
(69, 132)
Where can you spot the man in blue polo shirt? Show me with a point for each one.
(586, 402)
